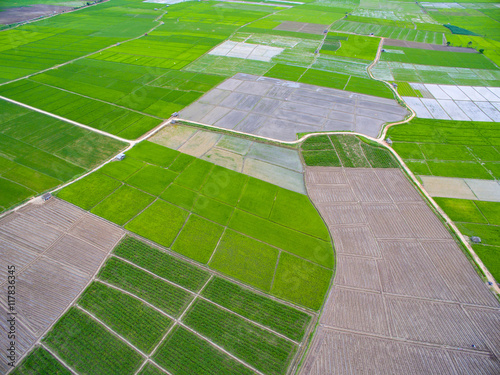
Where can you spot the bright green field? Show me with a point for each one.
(38, 153)
(137, 300)
(478, 218)
(345, 151)
(236, 224)
(448, 148)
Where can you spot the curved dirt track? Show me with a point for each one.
(405, 298)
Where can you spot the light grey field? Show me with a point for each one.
(405, 298)
(280, 109)
(460, 103)
(462, 188)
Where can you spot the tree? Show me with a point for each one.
(481, 50)
(469, 44)
(448, 43)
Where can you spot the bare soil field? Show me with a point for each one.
(405, 300)
(15, 15)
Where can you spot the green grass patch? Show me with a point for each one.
(246, 259)
(123, 169)
(213, 210)
(184, 353)
(458, 169)
(490, 255)
(319, 142)
(379, 157)
(142, 325)
(408, 150)
(461, 210)
(324, 78)
(354, 46)
(198, 239)
(157, 292)
(326, 158)
(491, 210)
(30, 178)
(277, 316)
(152, 179)
(489, 234)
(123, 204)
(446, 152)
(225, 185)
(160, 222)
(195, 174)
(151, 369)
(301, 282)
(254, 345)
(181, 162)
(50, 165)
(303, 245)
(153, 153)
(40, 361)
(13, 193)
(76, 338)
(419, 167)
(89, 191)
(258, 197)
(180, 196)
(161, 263)
(296, 211)
(287, 72)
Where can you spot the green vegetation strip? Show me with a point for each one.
(161, 263)
(277, 316)
(40, 361)
(89, 348)
(159, 293)
(346, 151)
(260, 348)
(142, 325)
(448, 148)
(184, 353)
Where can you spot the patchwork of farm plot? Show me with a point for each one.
(53, 250)
(147, 311)
(38, 152)
(238, 225)
(277, 165)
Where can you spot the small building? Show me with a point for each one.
(120, 157)
(46, 196)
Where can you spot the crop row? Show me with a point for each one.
(158, 292)
(161, 263)
(277, 316)
(137, 322)
(260, 348)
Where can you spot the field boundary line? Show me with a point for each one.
(97, 100)
(110, 330)
(58, 358)
(66, 120)
(87, 55)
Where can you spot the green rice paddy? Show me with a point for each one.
(38, 153)
(236, 224)
(448, 148)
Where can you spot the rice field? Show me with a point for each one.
(235, 224)
(130, 310)
(448, 148)
(38, 153)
